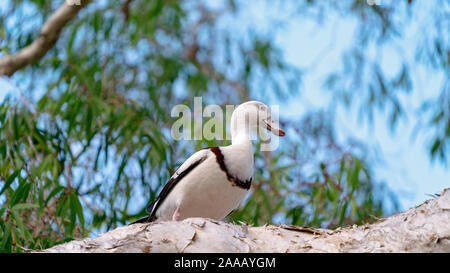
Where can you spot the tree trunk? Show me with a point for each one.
(425, 228)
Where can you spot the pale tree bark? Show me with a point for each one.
(425, 228)
(47, 38)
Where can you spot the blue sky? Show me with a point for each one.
(406, 166)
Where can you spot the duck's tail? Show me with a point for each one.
(147, 219)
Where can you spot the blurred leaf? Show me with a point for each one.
(25, 206)
(9, 181)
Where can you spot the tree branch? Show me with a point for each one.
(50, 33)
(425, 228)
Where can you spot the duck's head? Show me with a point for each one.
(251, 116)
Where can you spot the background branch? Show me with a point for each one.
(50, 33)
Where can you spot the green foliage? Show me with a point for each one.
(86, 144)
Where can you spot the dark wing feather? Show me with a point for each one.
(150, 207)
(148, 218)
(153, 207)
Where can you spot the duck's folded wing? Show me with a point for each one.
(185, 168)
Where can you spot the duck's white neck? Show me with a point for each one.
(241, 138)
(240, 132)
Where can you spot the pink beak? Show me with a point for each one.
(275, 130)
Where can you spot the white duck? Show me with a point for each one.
(213, 181)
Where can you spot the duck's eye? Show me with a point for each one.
(262, 108)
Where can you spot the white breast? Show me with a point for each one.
(239, 160)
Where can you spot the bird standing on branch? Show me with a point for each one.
(213, 181)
